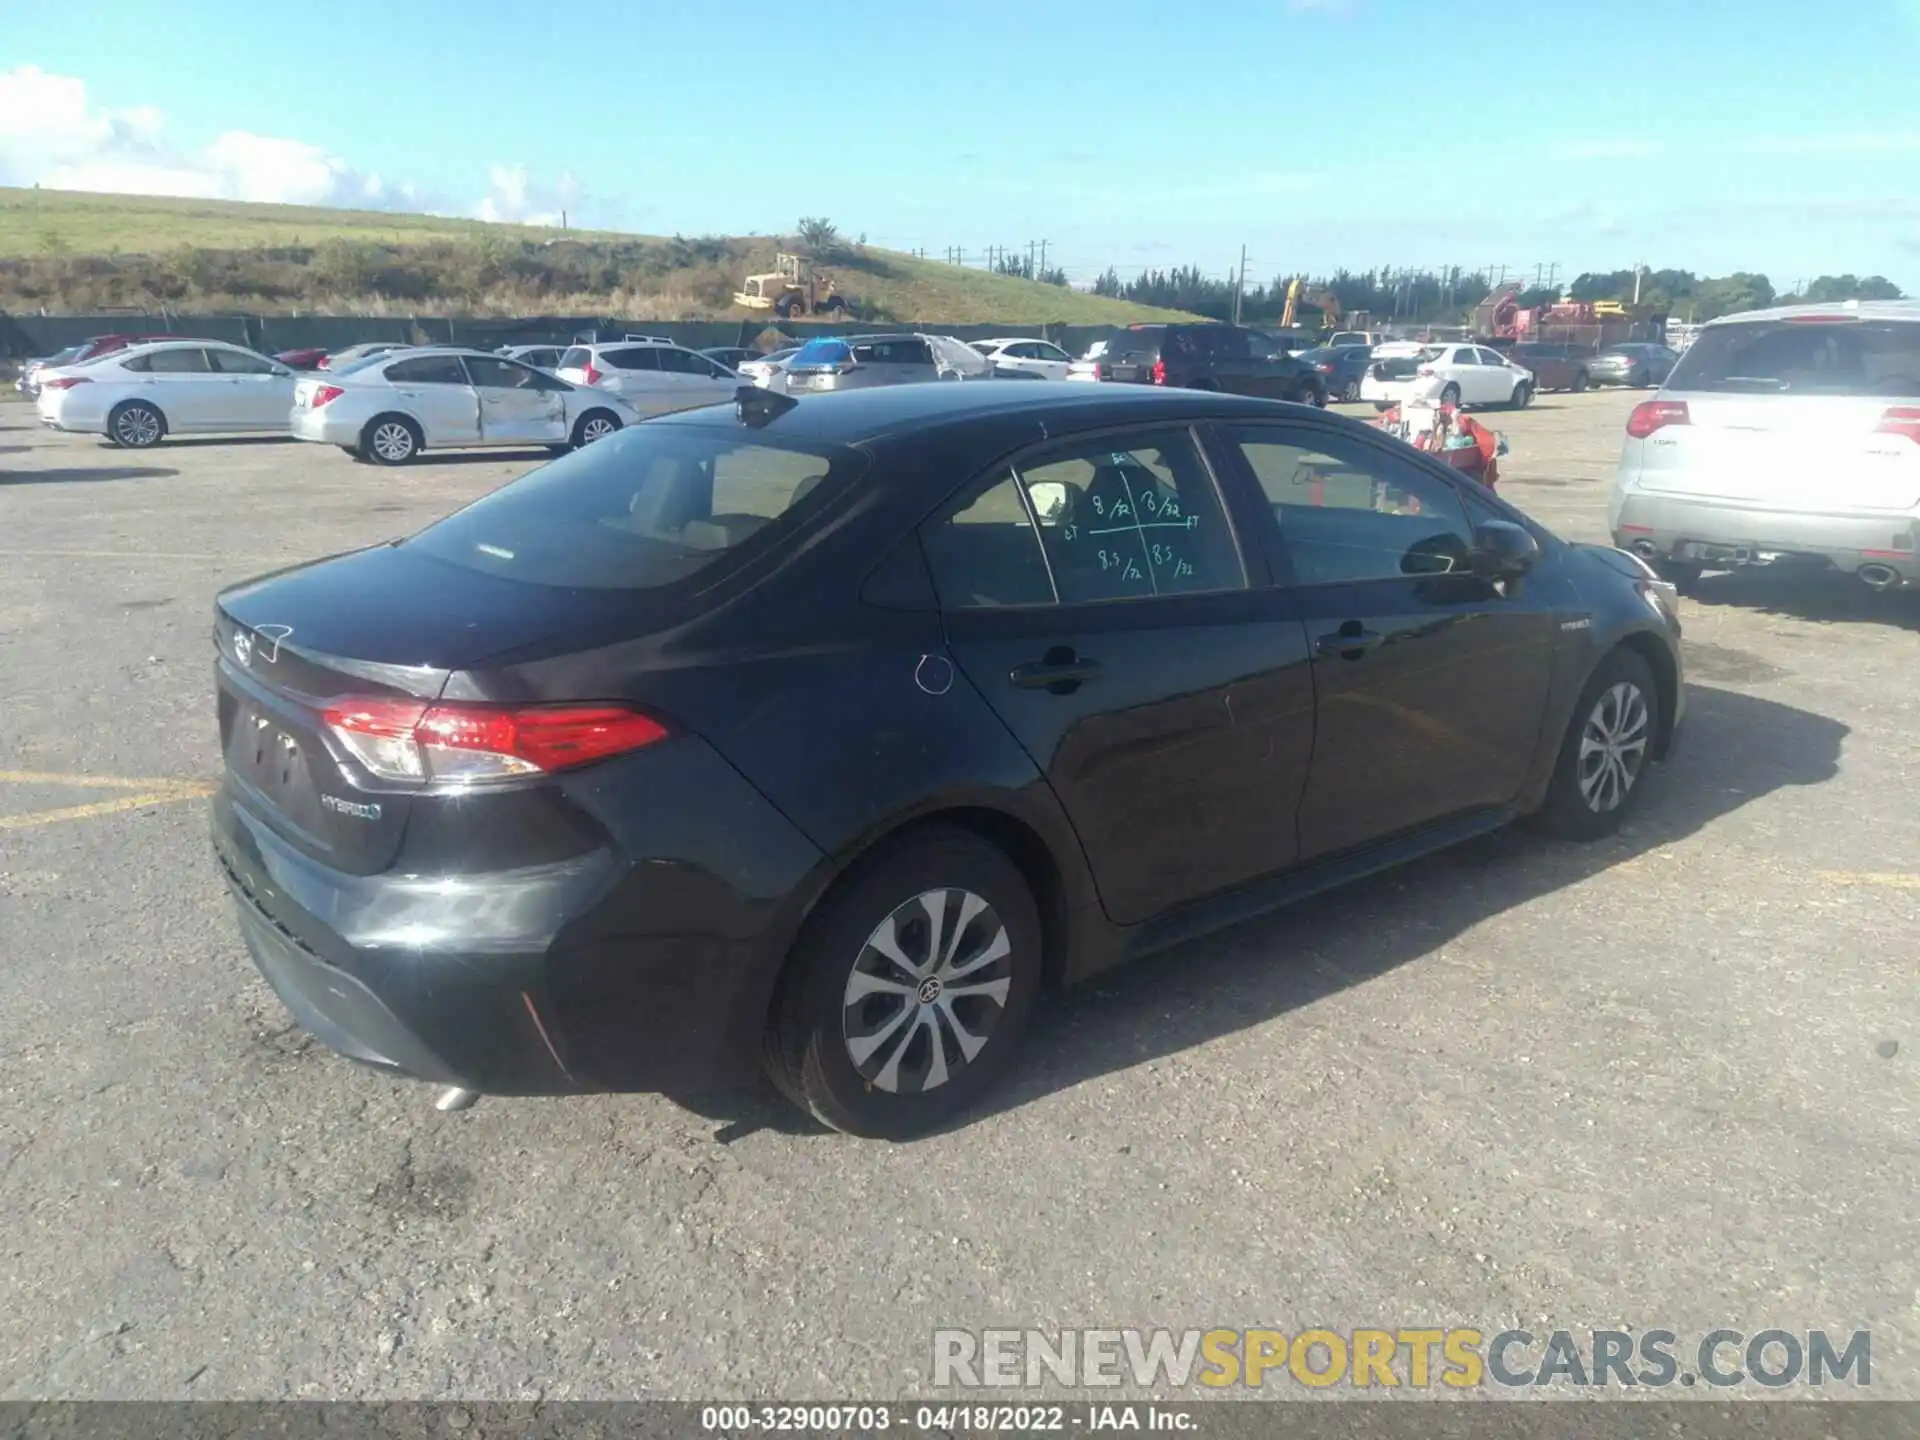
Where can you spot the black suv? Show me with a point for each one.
(1228, 358)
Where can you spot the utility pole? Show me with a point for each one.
(1239, 284)
(1638, 266)
(1030, 249)
(1043, 255)
(1552, 270)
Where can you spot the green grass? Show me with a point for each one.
(44, 233)
(40, 222)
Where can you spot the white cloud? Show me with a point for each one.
(52, 135)
(511, 196)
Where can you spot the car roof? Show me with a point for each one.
(1862, 309)
(856, 416)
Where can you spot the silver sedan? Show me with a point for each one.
(390, 408)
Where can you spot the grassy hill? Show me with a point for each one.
(76, 252)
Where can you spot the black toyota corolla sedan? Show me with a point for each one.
(827, 734)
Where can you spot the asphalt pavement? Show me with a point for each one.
(1663, 1081)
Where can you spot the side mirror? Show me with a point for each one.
(1502, 550)
(1049, 500)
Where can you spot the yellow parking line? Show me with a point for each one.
(1893, 879)
(105, 807)
(87, 782)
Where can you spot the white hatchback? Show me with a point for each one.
(1450, 375)
(654, 376)
(138, 396)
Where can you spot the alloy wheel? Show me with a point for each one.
(1613, 746)
(596, 428)
(136, 427)
(392, 441)
(926, 991)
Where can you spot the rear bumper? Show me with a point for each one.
(1670, 527)
(319, 425)
(595, 973)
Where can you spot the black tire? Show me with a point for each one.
(1450, 394)
(1383, 405)
(1580, 381)
(792, 307)
(1350, 392)
(1683, 575)
(834, 305)
(381, 440)
(1638, 379)
(811, 1053)
(1312, 394)
(594, 425)
(135, 425)
(1582, 803)
(1522, 395)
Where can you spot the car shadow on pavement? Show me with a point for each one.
(480, 457)
(1734, 749)
(1821, 596)
(196, 442)
(83, 475)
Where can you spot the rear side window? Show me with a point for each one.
(640, 357)
(170, 362)
(1863, 358)
(576, 358)
(646, 508)
(427, 370)
(1119, 518)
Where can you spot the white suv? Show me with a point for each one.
(653, 376)
(1784, 433)
(1450, 374)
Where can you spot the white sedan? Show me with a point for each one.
(391, 407)
(138, 396)
(1020, 352)
(1448, 374)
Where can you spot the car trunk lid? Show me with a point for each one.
(384, 623)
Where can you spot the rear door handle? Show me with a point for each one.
(1351, 644)
(1046, 674)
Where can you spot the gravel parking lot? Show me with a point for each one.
(1668, 1080)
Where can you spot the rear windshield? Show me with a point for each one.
(1844, 357)
(577, 358)
(822, 352)
(646, 508)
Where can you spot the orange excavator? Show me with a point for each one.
(1321, 298)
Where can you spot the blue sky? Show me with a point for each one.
(1692, 133)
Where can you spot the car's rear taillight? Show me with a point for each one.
(1651, 415)
(412, 740)
(593, 375)
(325, 394)
(1900, 420)
(1159, 372)
(1325, 367)
(64, 382)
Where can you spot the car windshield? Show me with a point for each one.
(647, 508)
(822, 352)
(1798, 357)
